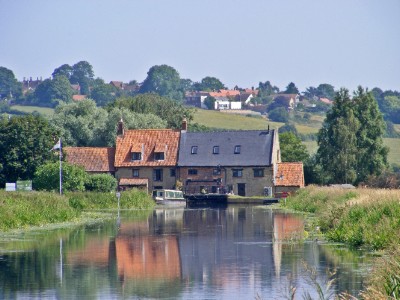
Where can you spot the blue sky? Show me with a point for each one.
(343, 42)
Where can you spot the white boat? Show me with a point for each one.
(168, 197)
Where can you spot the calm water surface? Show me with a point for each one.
(238, 252)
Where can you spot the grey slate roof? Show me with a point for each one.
(256, 148)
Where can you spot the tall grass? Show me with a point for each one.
(24, 209)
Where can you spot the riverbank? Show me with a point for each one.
(367, 218)
(22, 210)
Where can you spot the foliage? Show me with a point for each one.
(101, 183)
(25, 142)
(84, 124)
(292, 149)
(9, 85)
(22, 209)
(51, 91)
(82, 73)
(288, 127)
(278, 114)
(171, 112)
(209, 84)
(350, 141)
(104, 94)
(64, 70)
(47, 177)
(324, 90)
(291, 89)
(386, 180)
(164, 81)
(209, 102)
(134, 198)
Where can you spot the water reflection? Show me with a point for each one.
(182, 253)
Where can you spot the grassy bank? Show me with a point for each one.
(360, 218)
(20, 210)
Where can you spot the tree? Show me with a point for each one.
(291, 89)
(64, 70)
(267, 89)
(326, 90)
(170, 111)
(278, 114)
(9, 85)
(209, 84)
(49, 92)
(350, 141)
(164, 81)
(292, 149)
(47, 177)
(209, 102)
(84, 124)
(25, 142)
(82, 73)
(288, 127)
(104, 94)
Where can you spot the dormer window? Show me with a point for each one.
(194, 150)
(136, 155)
(216, 150)
(237, 149)
(158, 155)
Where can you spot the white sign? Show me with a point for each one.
(11, 187)
(118, 194)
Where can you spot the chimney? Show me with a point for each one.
(184, 125)
(120, 129)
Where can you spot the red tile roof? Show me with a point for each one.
(290, 174)
(225, 93)
(78, 97)
(134, 181)
(93, 159)
(147, 140)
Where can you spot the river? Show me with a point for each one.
(237, 252)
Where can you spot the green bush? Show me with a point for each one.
(101, 183)
(47, 177)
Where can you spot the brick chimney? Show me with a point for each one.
(184, 125)
(120, 128)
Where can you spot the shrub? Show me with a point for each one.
(279, 114)
(47, 177)
(101, 183)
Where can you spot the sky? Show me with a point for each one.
(345, 43)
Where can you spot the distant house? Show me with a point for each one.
(326, 101)
(78, 98)
(76, 88)
(289, 177)
(196, 99)
(239, 161)
(93, 159)
(290, 100)
(222, 103)
(30, 85)
(125, 86)
(146, 158)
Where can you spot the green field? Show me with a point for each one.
(30, 109)
(393, 144)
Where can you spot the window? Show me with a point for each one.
(216, 150)
(258, 172)
(194, 150)
(158, 175)
(136, 156)
(172, 172)
(158, 155)
(237, 149)
(135, 173)
(192, 172)
(237, 172)
(217, 171)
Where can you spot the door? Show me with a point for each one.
(241, 189)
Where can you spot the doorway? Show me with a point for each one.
(241, 189)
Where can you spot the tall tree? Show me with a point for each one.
(65, 70)
(163, 80)
(326, 90)
(51, 90)
(9, 85)
(291, 89)
(210, 84)
(25, 142)
(104, 94)
(82, 73)
(372, 154)
(350, 140)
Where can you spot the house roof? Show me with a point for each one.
(225, 93)
(290, 174)
(133, 181)
(147, 140)
(93, 159)
(326, 100)
(255, 148)
(78, 97)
